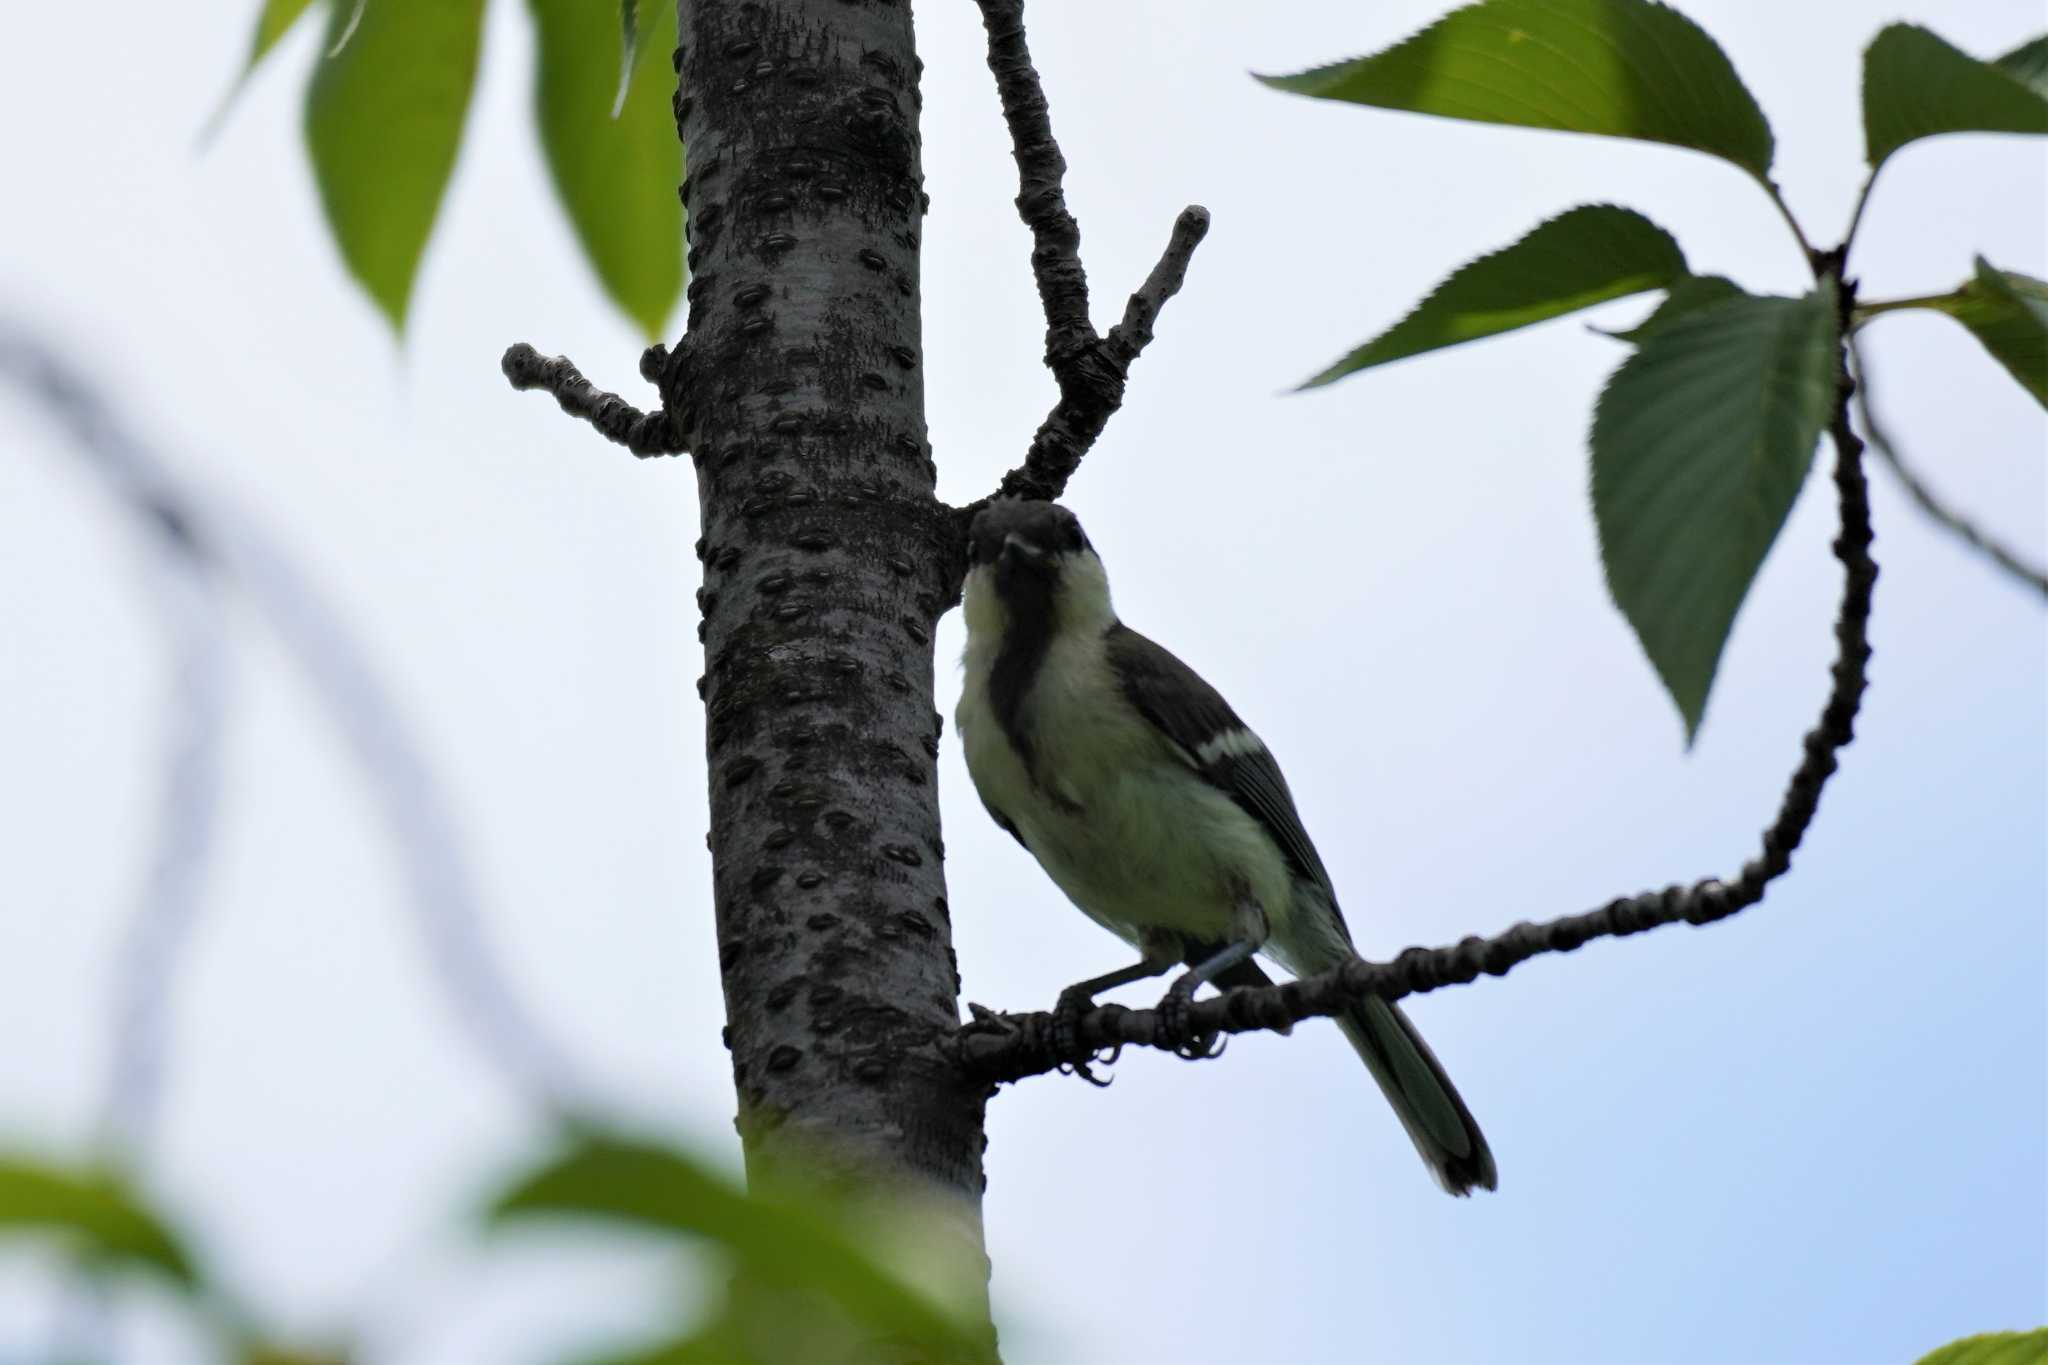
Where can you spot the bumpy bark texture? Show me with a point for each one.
(801, 398)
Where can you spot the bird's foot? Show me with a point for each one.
(1174, 1029)
(1066, 1036)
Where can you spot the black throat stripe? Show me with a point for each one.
(1026, 595)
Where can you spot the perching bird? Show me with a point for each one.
(1154, 808)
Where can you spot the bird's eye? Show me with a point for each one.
(1070, 533)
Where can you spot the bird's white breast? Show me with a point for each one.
(1116, 814)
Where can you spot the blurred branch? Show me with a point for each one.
(1089, 369)
(1924, 497)
(212, 542)
(646, 434)
(1009, 1047)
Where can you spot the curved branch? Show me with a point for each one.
(1924, 498)
(1089, 368)
(998, 1047)
(646, 434)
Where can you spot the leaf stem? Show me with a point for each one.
(1856, 214)
(1866, 311)
(1777, 198)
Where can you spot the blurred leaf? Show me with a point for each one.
(273, 21)
(1585, 256)
(1701, 441)
(383, 125)
(1993, 1348)
(629, 34)
(1686, 296)
(1619, 68)
(1916, 85)
(615, 177)
(780, 1243)
(271, 1353)
(98, 1215)
(2027, 64)
(2008, 313)
(348, 29)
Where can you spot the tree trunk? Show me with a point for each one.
(825, 557)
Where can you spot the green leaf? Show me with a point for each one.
(2008, 313)
(779, 1242)
(1915, 85)
(1993, 1348)
(383, 125)
(629, 50)
(1619, 68)
(615, 177)
(1701, 441)
(1585, 256)
(273, 21)
(97, 1212)
(1688, 295)
(2027, 64)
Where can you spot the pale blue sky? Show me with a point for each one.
(1818, 1133)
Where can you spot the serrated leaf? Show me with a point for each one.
(1686, 296)
(1701, 442)
(383, 125)
(1584, 256)
(1916, 85)
(1993, 1348)
(615, 177)
(1618, 68)
(780, 1242)
(2027, 64)
(96, 1213)
(2008, 314)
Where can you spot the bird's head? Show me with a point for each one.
(1032, 558)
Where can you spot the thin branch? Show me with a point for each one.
(1041, 173)
(999, 1047)
(646, 434)
(1924, 498)
(1090, 369)
(1128, 339)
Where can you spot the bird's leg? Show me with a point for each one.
(1173, 1007)
(1077, 999)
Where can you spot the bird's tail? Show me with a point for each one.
(1424, 1099)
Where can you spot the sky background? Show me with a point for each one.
(1817, 1133)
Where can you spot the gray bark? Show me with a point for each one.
(827, 562)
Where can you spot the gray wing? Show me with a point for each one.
(1217, 744)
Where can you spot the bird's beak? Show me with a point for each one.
(1023, 548)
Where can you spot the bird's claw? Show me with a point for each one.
(1066, 1036)
(1085, 1069)
(1174, 1029)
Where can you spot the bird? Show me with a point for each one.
(1158, 812)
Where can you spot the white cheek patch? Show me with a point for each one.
(1234, 743)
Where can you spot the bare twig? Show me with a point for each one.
(1010, 1047)
(1131, 336)
(1923, 497)
(646, 434)
(1041, 173)
(1090, 369)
